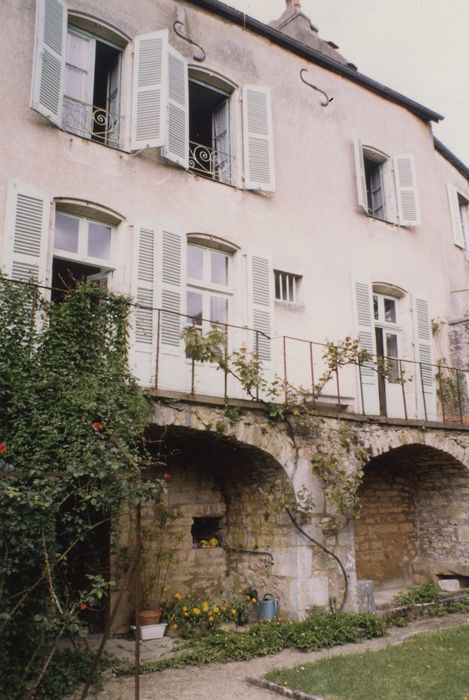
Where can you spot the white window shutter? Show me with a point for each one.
(260, 299)
(26, 233)
(360, 175)
(406, 188)
(144, 294)
(458, 231)
(149, 90)
(258, 139)
(364, 327)
(424, 342)
(49, 59)
(172, 292)
(176, 147)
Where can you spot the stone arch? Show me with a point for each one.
(414, 521)
(231, 483)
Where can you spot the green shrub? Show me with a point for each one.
(426, 593)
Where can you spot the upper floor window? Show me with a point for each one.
(91, 97)
(459, 209)
(77, 73)
(208, 291)
(387, 187)
(209, 130)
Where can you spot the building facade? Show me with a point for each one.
(221, 171)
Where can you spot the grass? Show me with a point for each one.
(429, 667)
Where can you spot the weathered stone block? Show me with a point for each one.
(365, 595)
(450, 585)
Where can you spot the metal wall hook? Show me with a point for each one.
(328, 99)
(196, 58)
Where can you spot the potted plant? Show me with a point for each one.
(156, 557)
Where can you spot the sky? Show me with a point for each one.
(418, 47)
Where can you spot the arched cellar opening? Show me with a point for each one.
(229, 533)
(414, 519)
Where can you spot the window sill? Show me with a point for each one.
(290, 305)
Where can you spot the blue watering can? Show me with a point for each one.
(267, 607)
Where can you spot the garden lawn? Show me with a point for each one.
(429, 667)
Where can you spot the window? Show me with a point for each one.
(287, 287)
(82, 250)
(386, 186)
(92, 88)
(386, 333)
(459, 210)
(209, 131)
(208, 292)
(77, 73)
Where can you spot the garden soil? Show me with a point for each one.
(229, 681)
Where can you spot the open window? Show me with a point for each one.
(459, 209)
(386, 187)
(77, 73)
(82, 251)
(208, 290)
(209, 129)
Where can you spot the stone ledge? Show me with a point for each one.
(282, 690)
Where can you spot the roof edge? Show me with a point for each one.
(449, 155)
(276, 37)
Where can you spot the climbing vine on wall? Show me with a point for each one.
(65, 391)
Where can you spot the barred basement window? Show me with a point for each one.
(287, 287)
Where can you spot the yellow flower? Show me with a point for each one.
(184, 608)
(178, 596)
(165, 589)
(254, 600)
(196, 611)
(175, 627)
(186, 614)
(205, 606)
(211, 618)
(216, 609)
(233, 611)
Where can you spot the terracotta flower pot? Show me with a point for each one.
(150, 617)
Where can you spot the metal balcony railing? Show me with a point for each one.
(211, 163)
(382, 386)
(92, 122)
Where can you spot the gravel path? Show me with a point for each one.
(228, 681)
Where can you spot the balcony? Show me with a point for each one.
(210, 163)
(91, 122)
(405, 390)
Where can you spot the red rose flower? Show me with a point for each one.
(166, 476)
(97, 425)
(83, 606)
(3, 447)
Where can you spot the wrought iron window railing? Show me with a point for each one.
(211, 163)
(92, 122)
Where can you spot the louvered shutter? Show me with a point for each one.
(145, 315)
(258, 139)
(456, 222)
(172, 290)
(260, 276)
(362, 294)
(406, 188)
(424, 341)
(176, 147)
(360, 175)
(49, 59)
(26, 233)
(150, 90)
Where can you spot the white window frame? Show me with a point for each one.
(388, 327)
(106, 264)
(290, 287)
(209, 289)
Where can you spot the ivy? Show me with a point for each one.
(71, 424)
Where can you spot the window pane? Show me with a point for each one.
(219, 268)
(390, 310)
(99, 241)
(375, 307)
(194, 308)
(66, 233)
(218, 310)
(195, 262)
(391, 351)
